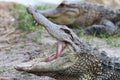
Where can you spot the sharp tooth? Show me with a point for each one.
(36, 24)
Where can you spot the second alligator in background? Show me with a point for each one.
(96, 18)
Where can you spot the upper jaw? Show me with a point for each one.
(62, 33)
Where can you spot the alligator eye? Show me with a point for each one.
(62, 5)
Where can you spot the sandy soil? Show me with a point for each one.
(16, 47)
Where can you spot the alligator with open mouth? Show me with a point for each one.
(85, 63)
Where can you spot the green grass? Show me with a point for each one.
(112, 40)
(44, 7)
(25, 20)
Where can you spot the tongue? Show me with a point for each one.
(60, 47)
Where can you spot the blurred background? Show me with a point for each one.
(21, 40)
(34, 2)
(112, 3)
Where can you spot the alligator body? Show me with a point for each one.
(97, 18)
(87, 63)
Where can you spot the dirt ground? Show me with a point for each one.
(16, 47)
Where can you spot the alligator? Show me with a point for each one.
(85, 63)
(94, 18)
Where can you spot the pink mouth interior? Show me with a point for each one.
(59, 48)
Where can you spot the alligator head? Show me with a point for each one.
(66, 13)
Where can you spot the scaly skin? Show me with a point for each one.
(87, 63)
(97, 18)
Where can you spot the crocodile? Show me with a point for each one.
(87, 63)
(94, 18)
